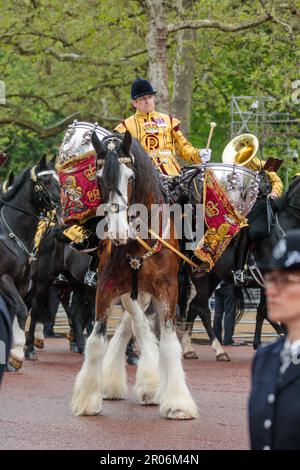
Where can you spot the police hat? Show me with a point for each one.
(285, 255)
(141, 87)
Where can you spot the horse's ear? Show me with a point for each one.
(10, 179)
(126, 144)
(97, 144)
(42, 162)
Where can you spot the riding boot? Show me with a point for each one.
(186, 342)
(240, 273)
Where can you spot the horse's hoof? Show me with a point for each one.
(148, 400)
(190, 355)
(73, 347)
(132, 360)
(180, 415)
(223, 357)
(39, 343)
(13, 364)
(255, 346)
(10, 368)
(31, 356)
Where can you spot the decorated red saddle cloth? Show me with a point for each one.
(80, 194)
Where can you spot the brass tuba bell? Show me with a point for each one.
(241, 150)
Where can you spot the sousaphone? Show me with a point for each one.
(241, 150)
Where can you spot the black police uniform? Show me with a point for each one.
(5, 335)
(274, 405)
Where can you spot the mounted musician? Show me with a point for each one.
(159, 134)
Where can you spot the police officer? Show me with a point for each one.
(159, 133)
(274, 404)
(5, 334)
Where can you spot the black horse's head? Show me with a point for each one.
(8, 184)
(45, 187)
(35, 190)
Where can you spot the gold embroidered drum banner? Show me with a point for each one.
(222, 222)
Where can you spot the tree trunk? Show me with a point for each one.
(183, 72)
(156, 42)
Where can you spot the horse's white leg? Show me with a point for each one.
(17, 352)
(39, 336)
(147, 375)
(88, 389)
(114, 368)
(221, 355)
(186, 342)
(174, 397)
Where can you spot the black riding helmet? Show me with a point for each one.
(141, 87)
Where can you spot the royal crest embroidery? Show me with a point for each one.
(90, 173)
(93, 195)
(211, 209)
(80, 194)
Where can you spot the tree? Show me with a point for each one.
(61, 58)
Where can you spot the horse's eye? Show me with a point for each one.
(130, 179)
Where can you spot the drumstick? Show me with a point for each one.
(212, 126)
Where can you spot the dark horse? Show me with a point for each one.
(287, 216)
(127, 177)
(21, 208)
(55, 258)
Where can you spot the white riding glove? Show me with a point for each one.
(205, 155)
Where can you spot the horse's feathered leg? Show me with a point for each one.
(88, 390)
(173, 395)
(114, 367)
(147, 375)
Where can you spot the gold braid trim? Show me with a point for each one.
(71, 161)
(43, 225)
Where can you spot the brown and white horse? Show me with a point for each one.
(126, 177)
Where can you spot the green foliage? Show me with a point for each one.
(57, 58)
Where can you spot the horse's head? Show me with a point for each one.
(8, 184)
(46, 189)
(115, 173)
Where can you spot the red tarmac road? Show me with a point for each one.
(35, 414)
